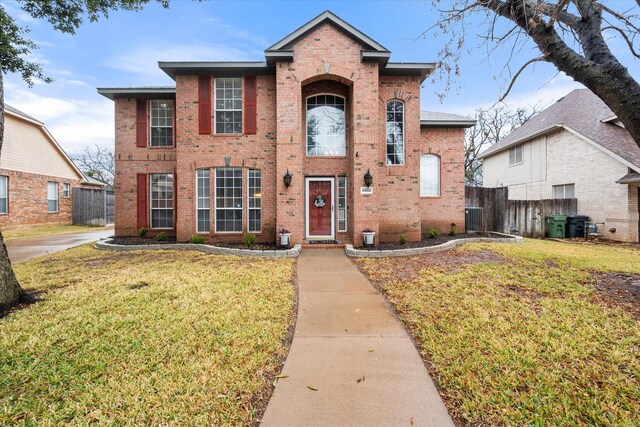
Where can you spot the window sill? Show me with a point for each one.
(229, 233)
(516, 164)
(431, 197)
(325, 157)
(160, 229)
(163, 147)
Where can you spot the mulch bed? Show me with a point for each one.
(142, 241)
(619, 290)
(255, 247)
(431, 241)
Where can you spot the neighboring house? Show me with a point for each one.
(36, 175)
(577, 148)
(327, 107)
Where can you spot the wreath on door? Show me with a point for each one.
(319, 202)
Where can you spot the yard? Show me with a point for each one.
(24, 232)
(144, 337)
(539, 333)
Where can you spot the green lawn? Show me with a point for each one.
(514, 334)
(42, 230)
(144, 338)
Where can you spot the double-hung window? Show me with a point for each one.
(515, 155)
(204, 201)
(161, 200)
(228, 200)
(326, 126)
(52, 196)
(228, 105)
(66, 190)
(395, 133)
(429, 175)
(4, 194)
(161, 114)
(342, 203)
(255, 201)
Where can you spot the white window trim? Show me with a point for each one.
(66, 185)
(215, 202)
(346, 225)
(248, 205)
(521, 146)
(215, 129)
(404, 152)
(57, 199)
(199, 209)
(564, 190)
(306, 128)
(6, 197)
(433, 196)
(150, 201)
(149, 131)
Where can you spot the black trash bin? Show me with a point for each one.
(576, 225)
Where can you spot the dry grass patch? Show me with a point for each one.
(46, 230)
(520, 339)
(144, 337)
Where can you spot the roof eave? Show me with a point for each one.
(226, 68)
(114, 93)
(448, 123)
(421, 69)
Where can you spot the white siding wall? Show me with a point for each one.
(26, 148)
(571, 160)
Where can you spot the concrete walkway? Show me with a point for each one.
(24, 249)
(349, 347)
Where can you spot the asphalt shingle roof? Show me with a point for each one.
(582, 111)
(20, 113)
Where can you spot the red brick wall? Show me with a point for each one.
(28, 200)
(440, 212)
(326, 61)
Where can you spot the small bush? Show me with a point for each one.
(161, 236)
(434, 232)
(249, 240)
(142, 231)
(453, 230)
(197, 239)
(403, 239)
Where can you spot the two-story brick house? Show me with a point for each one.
(252, 147)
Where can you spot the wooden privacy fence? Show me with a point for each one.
(92, 207)
(489, 209)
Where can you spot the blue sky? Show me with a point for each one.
(124, 49)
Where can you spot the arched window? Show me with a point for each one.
(429, 175)
(326, 126)
(395, 133)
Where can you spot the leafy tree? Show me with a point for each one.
(573, 35)
(65, 16)
(492, 124)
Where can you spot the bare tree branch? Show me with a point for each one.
(98, 163)
(517, 74)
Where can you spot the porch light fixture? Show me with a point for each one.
(287, 179)
(368, 178)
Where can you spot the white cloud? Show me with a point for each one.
(74, 122)
(142, 61)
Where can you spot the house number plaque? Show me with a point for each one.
(366, 191)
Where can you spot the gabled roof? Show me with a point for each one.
(19, 114)
(585, 115)
(435, 119)
(286, 43)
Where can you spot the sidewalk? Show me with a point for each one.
(354, 352)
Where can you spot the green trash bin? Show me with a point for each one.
(556, 225)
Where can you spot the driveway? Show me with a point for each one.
(25, 249)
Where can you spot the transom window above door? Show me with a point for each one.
(326, 126)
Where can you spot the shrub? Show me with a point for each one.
(161, 236)
(403, 239)
(197, 239)
(142, 231)
(453, 230)
(249, 240)
(434, 232)
(284, 231)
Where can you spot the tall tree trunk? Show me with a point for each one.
(10, 289)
